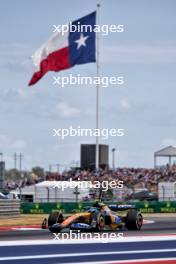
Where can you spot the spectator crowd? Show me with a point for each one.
(133, 178)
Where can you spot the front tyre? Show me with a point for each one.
(134, 220)
(54, 218)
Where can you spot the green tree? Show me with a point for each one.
(39, 172)
(12, 174)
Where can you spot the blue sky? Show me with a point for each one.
(145, 54)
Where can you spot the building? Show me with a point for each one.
(168, 152)
(53, 191)
(88, 156)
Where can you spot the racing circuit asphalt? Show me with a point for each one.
(158, 241)
(163, 225)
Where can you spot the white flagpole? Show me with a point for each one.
(97, 91)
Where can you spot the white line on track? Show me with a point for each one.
(145, 222)
(133, 239)
(87, 254)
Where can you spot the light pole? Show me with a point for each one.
(50, 168)
(58, 167)
(2, 171)
(15, 160)
(1, 154)
(113, 158)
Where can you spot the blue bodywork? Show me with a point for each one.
(79, 226)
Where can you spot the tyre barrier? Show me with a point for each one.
(9, 208)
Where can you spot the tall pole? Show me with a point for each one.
(58, 166)
(21, 157)
(1, 154)
(15, 160)
(20, 188)
(113, 158)
(2, 172)
(97, 92)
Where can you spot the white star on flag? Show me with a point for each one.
(81, 41)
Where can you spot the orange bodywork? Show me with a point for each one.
(87, 215)
(73, 217)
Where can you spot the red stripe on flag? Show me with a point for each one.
(56, 61)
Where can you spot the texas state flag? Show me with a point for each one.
(66, 49)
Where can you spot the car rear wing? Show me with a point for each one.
(121, 207)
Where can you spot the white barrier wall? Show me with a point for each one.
(53, 191)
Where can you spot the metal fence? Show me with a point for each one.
(9, 208)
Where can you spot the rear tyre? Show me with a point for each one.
(134, 220)
(44, 224)
(54, 218)
(100, 223)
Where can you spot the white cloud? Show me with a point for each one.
(138, 54)
(124, 104)
(14, 94)
(7, 143)
(169, 142)
(21, 93)
(19, 144)
(15, 57)
(65, 110)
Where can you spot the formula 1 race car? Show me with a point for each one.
(96, 218)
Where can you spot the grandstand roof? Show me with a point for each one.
(169, 151)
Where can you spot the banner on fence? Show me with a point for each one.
(46, 208)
